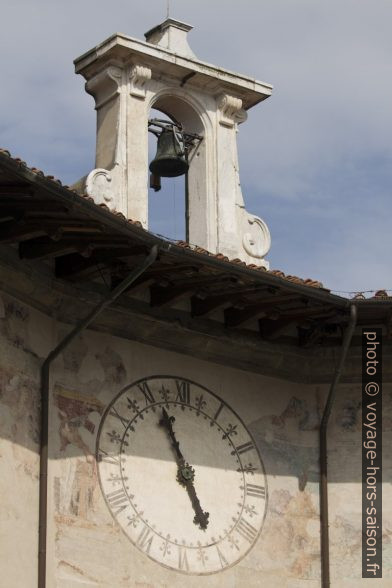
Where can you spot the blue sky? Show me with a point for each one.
(315, 158)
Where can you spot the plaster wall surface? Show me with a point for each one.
(345, 499)
(86, 546)
(25, 337)
(89, 546)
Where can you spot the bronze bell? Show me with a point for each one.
(170, 160)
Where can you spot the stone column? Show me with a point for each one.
(229, 195)
(120, 177)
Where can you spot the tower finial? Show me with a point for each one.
(168, 9)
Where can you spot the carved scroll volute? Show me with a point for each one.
(139, 75)
(230, 110)
(256, 238)
(98, 186)
(105, 86)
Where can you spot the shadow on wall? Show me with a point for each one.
(287, 442)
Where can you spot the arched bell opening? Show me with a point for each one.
(171, 200)
(166, 195)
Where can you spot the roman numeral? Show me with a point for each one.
(183, 559)
(222, 559)
(183, 392)
(145, 539)
(256, 491)
(113, 412)
(242, 448)
(112, 459)
(218, 411)
(118, 501)
(143, 387)
(246, 530)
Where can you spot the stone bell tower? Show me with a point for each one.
(127, 78)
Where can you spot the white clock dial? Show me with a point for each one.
(181, 475)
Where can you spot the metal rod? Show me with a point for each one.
(162, 124)
(187, 203)
(324, 522)
(45, 373)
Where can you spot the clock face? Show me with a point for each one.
(181, 475)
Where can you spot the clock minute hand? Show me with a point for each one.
(201, 517)
(185, 474)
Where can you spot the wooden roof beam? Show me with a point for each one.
(73, 266)
(16, 189)
(23, 229)
(43, 247)
(161, 296)
(202, 306)
(272, 328)
(237, 316)
(162, 271)
(12, 206)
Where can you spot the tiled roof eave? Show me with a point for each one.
(118, 223)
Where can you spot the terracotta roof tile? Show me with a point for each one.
(382, 294)
(238, 261)
(183, 244)
(201, 250)
(254, 266)
(313, 283)
(295, 279)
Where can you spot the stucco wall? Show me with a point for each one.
(86, 547)
(25, 337)
(281, 417)
(345, 495)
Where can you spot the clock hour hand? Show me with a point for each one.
(166, 421)
(185, 473)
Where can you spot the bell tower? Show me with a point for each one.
(127, 78)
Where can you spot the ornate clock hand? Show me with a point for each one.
(201, 517)
(167, 421)
(185, 473)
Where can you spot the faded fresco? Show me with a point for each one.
(86, 547)
(19, 439)
(286, 439)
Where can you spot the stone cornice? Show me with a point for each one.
(123, 48)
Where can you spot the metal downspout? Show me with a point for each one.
(324, 524)
(43, 481)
